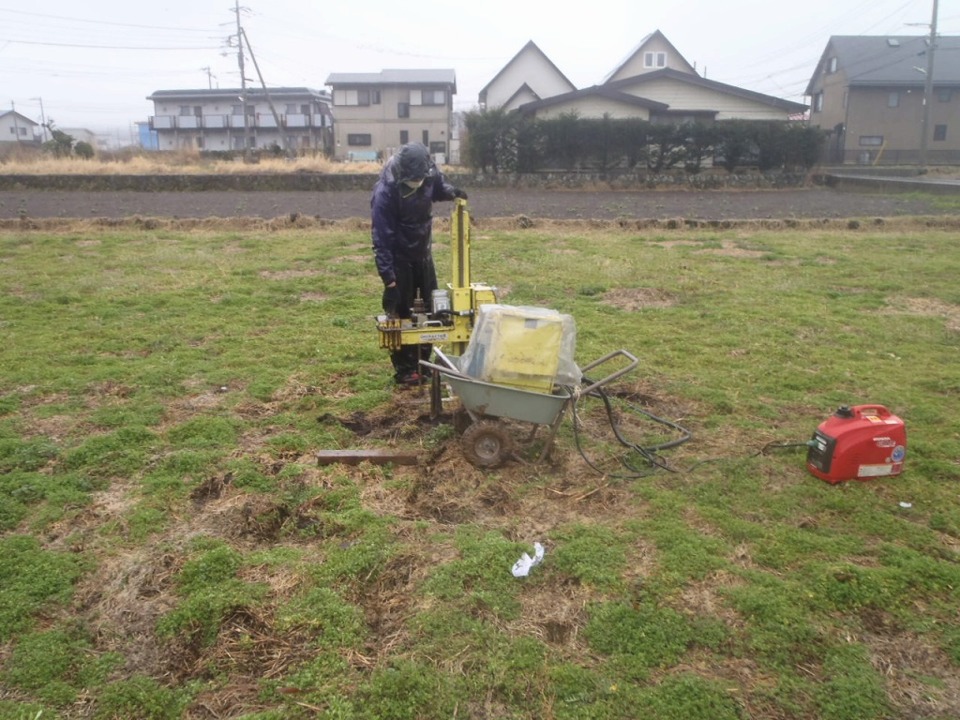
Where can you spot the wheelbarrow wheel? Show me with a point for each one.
(486, 444)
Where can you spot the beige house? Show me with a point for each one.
(529, 76)
(291, 118)
(377, 112)
(655, 82)
(868, 94)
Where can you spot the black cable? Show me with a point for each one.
(648, 453)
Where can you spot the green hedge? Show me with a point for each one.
(507, 142)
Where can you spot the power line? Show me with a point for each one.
(105, 22)
(102, 47)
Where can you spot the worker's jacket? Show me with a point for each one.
(402, 219)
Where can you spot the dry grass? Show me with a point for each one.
(179, 163)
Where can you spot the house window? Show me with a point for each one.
(237, 110)
(818, 102)
(426, 138)
(945, 95)
(871, 140)
(185, 110)
(363, 97)
(433, 97)
(375, 97)
(893, 99)
(832, 65)
(404, 137)
(654, 59)
(291, 109)
(403, 110)
(359, 139)
(438, 147)
(939, 133)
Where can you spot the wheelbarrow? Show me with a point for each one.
(487, 441)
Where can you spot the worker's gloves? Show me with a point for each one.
(458, 193)
(391, 300)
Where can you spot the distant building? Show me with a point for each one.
(655, 82)
(378, 112)
(290, 118)
(17, 128)
(868, 92)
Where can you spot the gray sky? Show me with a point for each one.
(94, 63)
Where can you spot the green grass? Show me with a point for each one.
(170, 548)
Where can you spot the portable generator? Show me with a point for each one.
(858, 443)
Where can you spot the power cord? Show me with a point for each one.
(649, 452)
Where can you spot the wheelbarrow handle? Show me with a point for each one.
(445, 370)
(612, 376)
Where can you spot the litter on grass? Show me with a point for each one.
(522, 567)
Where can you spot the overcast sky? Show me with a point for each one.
(94, 63)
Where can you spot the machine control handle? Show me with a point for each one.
(612, 376)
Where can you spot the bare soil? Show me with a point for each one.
(719, 205)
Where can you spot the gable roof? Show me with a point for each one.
(602, 91)
(530, 47)
(698, 81)
(396, 77)
(655, 35)
(18, 116)
(884, 60)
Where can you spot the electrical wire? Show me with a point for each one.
(648, 453)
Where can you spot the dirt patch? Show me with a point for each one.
(926, 307)
(634, 299)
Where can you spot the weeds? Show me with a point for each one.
(170, 548)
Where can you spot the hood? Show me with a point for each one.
(413, 162)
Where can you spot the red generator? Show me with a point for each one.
(858, 443)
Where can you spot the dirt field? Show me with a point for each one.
(807, 203)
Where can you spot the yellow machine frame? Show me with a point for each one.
(465, 297)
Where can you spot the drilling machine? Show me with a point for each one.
(452, 311)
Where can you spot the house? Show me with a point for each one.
(656, 83)
(868, 93)
(17, 128)
(378, 112)
(529, 76)
(291, 118)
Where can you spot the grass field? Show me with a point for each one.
(171, 548)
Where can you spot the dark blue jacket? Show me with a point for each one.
(401, 218)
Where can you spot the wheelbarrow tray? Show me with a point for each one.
(503, 401)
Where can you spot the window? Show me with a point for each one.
(403, 110)
(433, 97)
(893, 100)
(945, 95)
(185, 110)
(871, 140)
(426, 137)
(375, 97)
(654, 59)
(291, 109)
(818, 102)
(832, 65)
(438, 147)
(237, 110)
(939, 133)
(404, 137)
(359, 140)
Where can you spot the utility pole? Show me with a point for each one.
(210, 76)
(928, 89)
(16, 125)
(276, 116)
(243, 82)
(43, 118)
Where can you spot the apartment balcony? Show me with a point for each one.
(264, 121)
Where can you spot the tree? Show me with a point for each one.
(84, 150)
(61, 144)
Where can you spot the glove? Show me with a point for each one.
(458, 193)
(391, 299)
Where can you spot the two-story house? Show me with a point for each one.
(377, 112)
(290, 118)
(868, 92)
(655, 82)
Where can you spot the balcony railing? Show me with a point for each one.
(264, 121)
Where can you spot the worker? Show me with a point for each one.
(401, 228)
